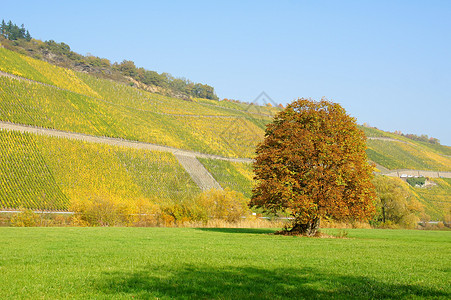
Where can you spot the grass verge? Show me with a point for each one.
(143, 263)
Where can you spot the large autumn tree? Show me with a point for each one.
(312, 164)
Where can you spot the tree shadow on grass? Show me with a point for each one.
(239, 230)
(201, 282)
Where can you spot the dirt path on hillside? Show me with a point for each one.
(113, 141)
(387, 139)
(415, 173)
(175, 151)
(200, 175)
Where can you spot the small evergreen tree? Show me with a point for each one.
(13, 32)
(3, 28)
(27, 36)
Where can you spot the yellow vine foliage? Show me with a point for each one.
(61, 77)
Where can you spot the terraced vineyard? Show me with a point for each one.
(234, 175)
(84, 104)
(397, 152)
(436, 199)
(14, 63)
(41, 172)
(52, 97)
(406, 155)
(26, 180)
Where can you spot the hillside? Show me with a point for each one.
(76, 102)
(50, 173)
(393, 151)
(19, 40)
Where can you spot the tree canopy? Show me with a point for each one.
(395, 203)
(312, 164)
(13, 32)
(180, 86)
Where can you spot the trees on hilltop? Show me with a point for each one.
(18, 39)
(13, 32)
(179, 86)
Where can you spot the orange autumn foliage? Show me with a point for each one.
(312, 164)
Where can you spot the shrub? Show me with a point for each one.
(328, 223)
(177, 214)
(396, 204)
(146, 214)
(447, 219)
(26, 218)
(108, 211)
(100, 211)
(414, 181)
(409, 221)
(226, 205)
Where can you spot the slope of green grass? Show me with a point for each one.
(116, 93)
(34, 104)
(102, 107)
(436, 148)
(440, 149)
(127, 96)
(167, 263)
(251, 109)
(40, 71)
(40, 172)
(14, 63)
(235, 176)
(81, 103)
(26, 181)
(399, 155)
(373, 132)
(436, 199)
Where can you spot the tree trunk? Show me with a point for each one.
(309, 229)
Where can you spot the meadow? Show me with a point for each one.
(208, 263)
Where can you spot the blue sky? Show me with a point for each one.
(388, 63)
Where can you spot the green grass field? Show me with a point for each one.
(163, 263)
